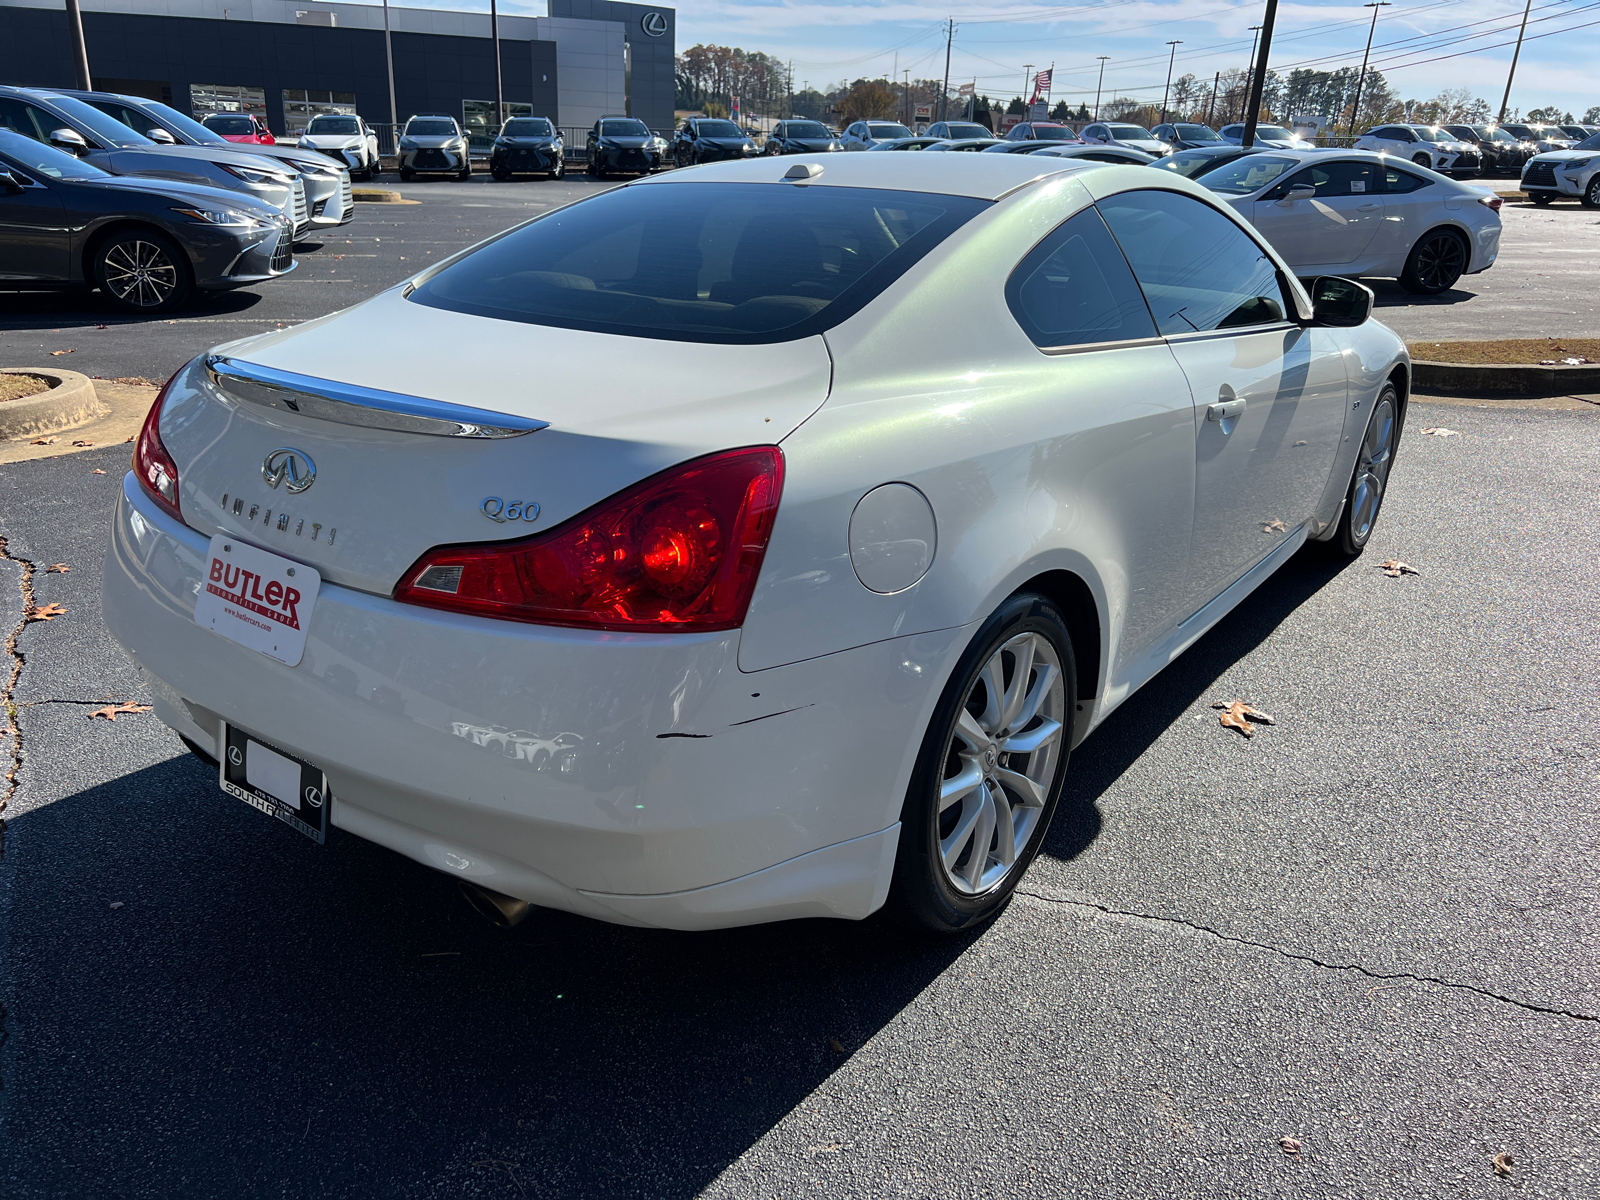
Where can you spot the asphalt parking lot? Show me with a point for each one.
(1369, 929)
(1542, 285)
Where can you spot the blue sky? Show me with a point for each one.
(832, 40)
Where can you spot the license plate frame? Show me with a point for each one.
(307, 814)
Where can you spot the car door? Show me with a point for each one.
(1269, 393)
(34, 240)
(1127, 426)
(1332, 226)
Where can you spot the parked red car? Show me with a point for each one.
(240, 127)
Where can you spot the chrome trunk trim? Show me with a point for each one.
(352, 404)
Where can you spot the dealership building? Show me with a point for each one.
(288, 60)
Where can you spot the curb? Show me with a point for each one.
(1496, 379)
(376, 196)
(70, 402)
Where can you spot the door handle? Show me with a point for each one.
(1224, 410)
(1369, 207)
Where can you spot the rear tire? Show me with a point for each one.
(977, 811)
(1435, 263)
(1369, 482)
(142, 271)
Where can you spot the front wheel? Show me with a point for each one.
(142, 271)
(1369, 483)
(990, 770)
(1437, 260)
(1422, 160)
(1591, 194)
(560, 171)
(1541, 198)
(465, 172)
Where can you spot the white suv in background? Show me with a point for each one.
(1425, 146)
(1574, 172)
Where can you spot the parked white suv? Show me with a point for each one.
(1425, 146)
(345, 138)
(1574, 172)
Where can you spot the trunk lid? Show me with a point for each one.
(619, 409)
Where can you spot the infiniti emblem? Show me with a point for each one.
(287, 463)
(653, 23)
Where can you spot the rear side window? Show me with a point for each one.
(735, 263)
(1199, 271)
(1074, 289)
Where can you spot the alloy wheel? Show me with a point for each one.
(140, 274)
(999, 764)
(1440, 262)
(1372, 471)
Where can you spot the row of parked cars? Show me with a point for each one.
(148, 205)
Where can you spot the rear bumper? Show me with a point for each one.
(637, 779)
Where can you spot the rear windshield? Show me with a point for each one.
(717, 129)
(438, 127)
(807, 129)
(629, 128)
(735, 263)
(1192, 163)
(235, 125)
(1276, 132)
(528, 127)
(1054, 133)
(967, 131)
(1246, 174)
(888, 131)
(1197, 133)
(333, 127)
(1130, 133)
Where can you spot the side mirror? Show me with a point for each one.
(1339, 302)
(1300, 191)
(9, 184)
(161, 136)
(69, 140)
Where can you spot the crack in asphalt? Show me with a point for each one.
(1314, 961)
(12, 730)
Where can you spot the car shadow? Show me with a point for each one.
(1128, 732)
(77, 308)
(261, 1015)
(1388, 293)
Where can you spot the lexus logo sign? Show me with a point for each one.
(653, 23)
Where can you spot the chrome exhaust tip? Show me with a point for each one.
(495, 907)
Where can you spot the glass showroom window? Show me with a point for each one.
(300, 105)
(477, 118)
(208, 98)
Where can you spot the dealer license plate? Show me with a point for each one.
(258, 599)
(278, 784)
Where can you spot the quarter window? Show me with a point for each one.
(1397, 181)
(1074, 288)
(1199, 271)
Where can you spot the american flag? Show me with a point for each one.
(1041, 83)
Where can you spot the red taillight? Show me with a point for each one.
(151, 462)
(677, 553)
(1493, 202)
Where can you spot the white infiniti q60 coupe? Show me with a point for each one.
(788, 525)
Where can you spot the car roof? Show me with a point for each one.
(981, 176)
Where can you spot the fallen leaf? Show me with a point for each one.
(57, 569)
(114, 903)
(97, 471)
(48, 613)
(1290, 1145)
(1239, 715)
(827, 1148)
(836, 1045)
(1394, 568)
(1275, 526)
(1437, 431)
(50, 441)
(99, 326)
(111, 711)
(59, 353)
(1503, 1163)
(82, 443)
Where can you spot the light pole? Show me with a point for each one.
(1215, 80)
(1097, 86)
(499, 81)
(1171, 58)
(1258, 81)
(944, 92)
(1362, 78)
(1505, 101)
(1254, 39)
(80, 52)
(1027, 96)
(388, 50)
